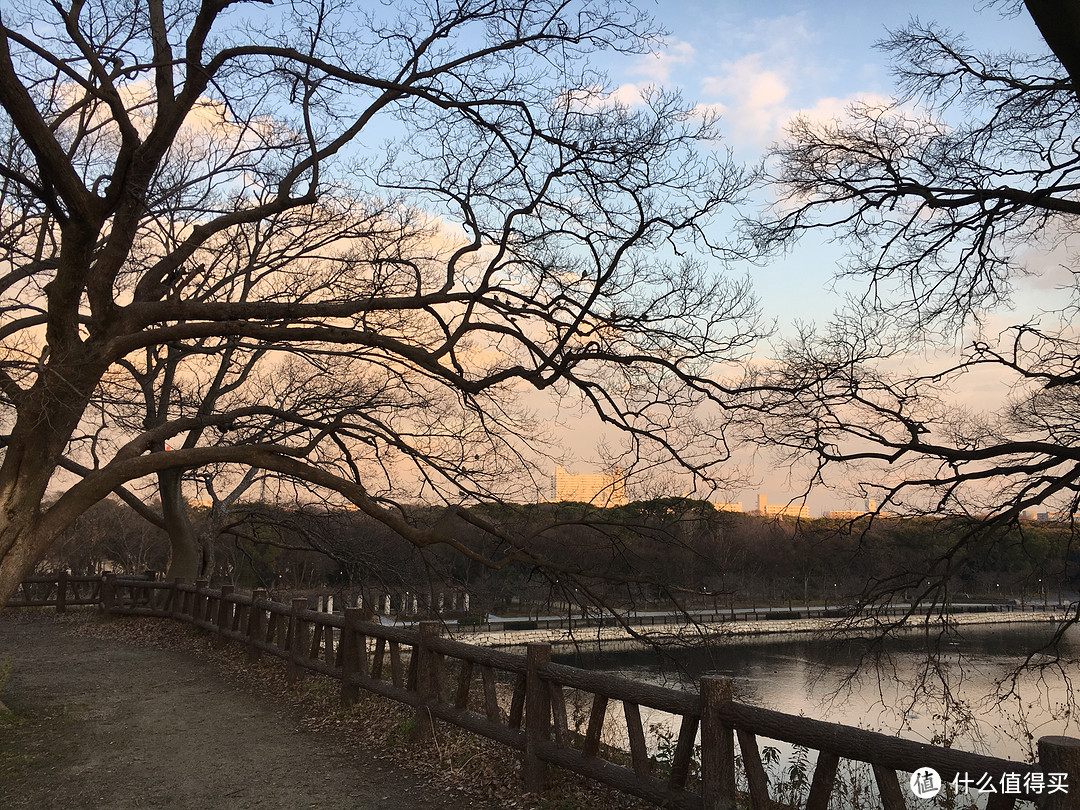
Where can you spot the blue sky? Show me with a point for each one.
(764, 61)
(758, 64)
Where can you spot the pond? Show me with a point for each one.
(964, 696)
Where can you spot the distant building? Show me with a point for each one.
(787, 510)
(852, 514)
(1054, 516)
(727, 506)
(602, 489)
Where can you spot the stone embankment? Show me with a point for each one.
(729, 631)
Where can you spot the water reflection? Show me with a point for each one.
(953, 697)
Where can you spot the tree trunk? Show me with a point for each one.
(209, 559)
(185, 557)
(24, 477)
(48, 414)
(1059, 23)
(18, 555)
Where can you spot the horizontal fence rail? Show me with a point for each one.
(59, 590)
(458, 683)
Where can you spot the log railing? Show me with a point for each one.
(457, 683)
(60, 590)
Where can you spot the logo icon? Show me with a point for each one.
(925, 783)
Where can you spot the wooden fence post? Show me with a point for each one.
(427, 685)
(534, 771)
(150, 576)
(717, 746)
(224, 613)
(108, 593)
(175, 600)
(187, 601)
(1060, 755)
(352, 657)
(256, 625)
(61, 591)
(297, 641)
(201, 603)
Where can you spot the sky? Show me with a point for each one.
(759, 64)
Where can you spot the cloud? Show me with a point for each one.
(777, 69)
(754, 97)
(1049, 261)
(657, 66)
(750, 96)
(629, 94)
(594, 97)
(748, 81)
(832, 108)
(656, 69)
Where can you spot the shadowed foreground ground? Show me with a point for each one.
(106, 723)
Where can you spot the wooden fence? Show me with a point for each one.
(450, 681)
(59, 590)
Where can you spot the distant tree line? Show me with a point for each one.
(648, 554)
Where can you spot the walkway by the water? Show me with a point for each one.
(633, 636)
(105, 723)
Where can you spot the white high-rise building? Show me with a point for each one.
(601, 489)
(794, 510)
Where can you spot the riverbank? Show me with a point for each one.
(700, 633)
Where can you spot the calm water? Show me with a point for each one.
(960, 700)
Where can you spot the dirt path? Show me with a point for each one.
(107, 723)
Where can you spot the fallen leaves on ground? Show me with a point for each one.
(478, 771)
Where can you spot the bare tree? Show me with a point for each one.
(947, 196)
(226, 375)
(534, 236)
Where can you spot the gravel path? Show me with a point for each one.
(105, 723)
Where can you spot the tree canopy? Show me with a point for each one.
(950, 199)
(335, 243)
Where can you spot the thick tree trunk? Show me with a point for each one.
(1059, 23)
(185, 557)
(24, 477)
(209, 558)
(47, 415)
(18, 555)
